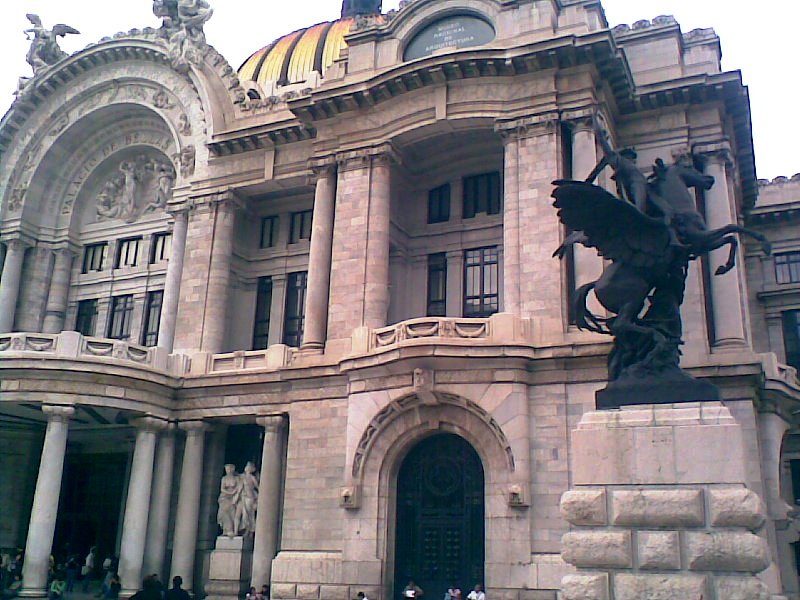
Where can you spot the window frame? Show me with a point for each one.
(273, 221)
(790, 267)
(263, 310)
(150, 319)
(489, 302)
(94, 257)
(300, 224)
(80, 315)
(160, 248)
(473, 203)
(439, 199)
(120, 315)
(124, 246)
(295, 308)
(437, 266)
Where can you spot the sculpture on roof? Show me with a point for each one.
(44, 50)
(352, 8)
(182, 27)
(650, 239)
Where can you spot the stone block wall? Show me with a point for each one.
(695, 543)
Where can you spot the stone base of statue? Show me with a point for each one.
(230, 567)
(660, 507)
(661, 389)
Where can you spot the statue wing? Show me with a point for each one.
(615, 227)
(63, 30)
(34, 19)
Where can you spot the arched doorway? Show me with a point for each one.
(439, 537)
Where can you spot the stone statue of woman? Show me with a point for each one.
(230, 496)
(249, 498)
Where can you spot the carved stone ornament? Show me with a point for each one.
(142, 185)
(16, 199)
(184, 125)
(237, 501)
(182, 28)
(162, 100)
(44, 50)
(186, 159)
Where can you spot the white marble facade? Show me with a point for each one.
(185, 249)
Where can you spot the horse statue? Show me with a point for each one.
(650, 243)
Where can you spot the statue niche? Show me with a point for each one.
(141, 185)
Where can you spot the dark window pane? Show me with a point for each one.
(794, 465)
(437, 284)
(439, 204)
(481, 194)
(94, 257)
(269, 232)
(119, 319)
(787, 267)
(152, 316)
(127, 253)
(263, 305)
(294, 315)
(87, 316)
(162, 245)
(481, 283)
(301, 227)
(791, 337)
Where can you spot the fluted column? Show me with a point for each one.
(45, 502)
(269, 499)
(9, 284)
(188, 511)
(588, 265)
(56, 309)
(726, 293)
(172, 285)
(137, 504)
(158, 520)
(319, 259)
(376, 276)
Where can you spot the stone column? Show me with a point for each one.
(137, 504)
(219, 274)
(726, 291)
(9, 285)
(45, 502)
(269, 498)
(172, 285)
(56, 310)
(158, 521)
(188, 511)
(511, 273)
(376, 277)
(319, 259)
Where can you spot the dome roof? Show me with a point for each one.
(291, 58)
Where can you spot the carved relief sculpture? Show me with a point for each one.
(141, 186)
(230, 496)
(182, 26)
(44, 50)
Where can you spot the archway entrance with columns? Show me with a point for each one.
(439, 539)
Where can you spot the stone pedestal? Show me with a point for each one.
(659, 507)
(230, 566)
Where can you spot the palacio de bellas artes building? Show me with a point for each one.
(336, 263)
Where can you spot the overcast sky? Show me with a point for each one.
(760, 39)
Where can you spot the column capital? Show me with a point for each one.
(718, 153)
(581, 119)
(149, 423)
(323, 166)
(58, 413)
(18, 243)
(194, 427)
(362, 157)
(527, 126)
(273, 423)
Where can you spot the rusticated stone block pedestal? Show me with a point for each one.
(230, 568)
(659, 509)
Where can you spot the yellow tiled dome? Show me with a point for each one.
(292, 58)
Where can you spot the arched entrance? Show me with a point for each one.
(440, 516)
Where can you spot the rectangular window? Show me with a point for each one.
(161, 248)
(152, 316)
(87, 316)
(294, 315)
(94, 257)
(119, 318)
(439, 204)
(263, 305)
(437, 284)
(127, 252)
(791, 337)
(301, 227)
(482, 194)
(269, 232)
(794, 465)
(787, 267)
(481, 282)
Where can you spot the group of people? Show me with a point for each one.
(254, 594)
(413, 592)
(153, 589)
(10, 572)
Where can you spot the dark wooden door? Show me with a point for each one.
(440, 517)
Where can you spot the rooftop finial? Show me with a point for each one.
(352, 8)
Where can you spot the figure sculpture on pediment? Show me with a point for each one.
(44, 50)
(165, 176)
(230, 498)
(108, 205)
(130, 183)
(249, 498)
(182, 26)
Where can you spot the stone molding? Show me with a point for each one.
(149, 424)
(272, 423)
(528, 126)
(198, 427)
(359, 158)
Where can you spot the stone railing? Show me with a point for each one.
(275, 357)
(73, 345)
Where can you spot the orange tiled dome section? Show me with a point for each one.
(291, 58)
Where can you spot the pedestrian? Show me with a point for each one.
(160, 587)
(453, 593)
(265, 592)
(361, 596)
(412, 590)
(149, 590)
(58, 585)
(477, 593)
(177, 592)
(73, 568)
(87, 570)
(251, 594)
(114, 586)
